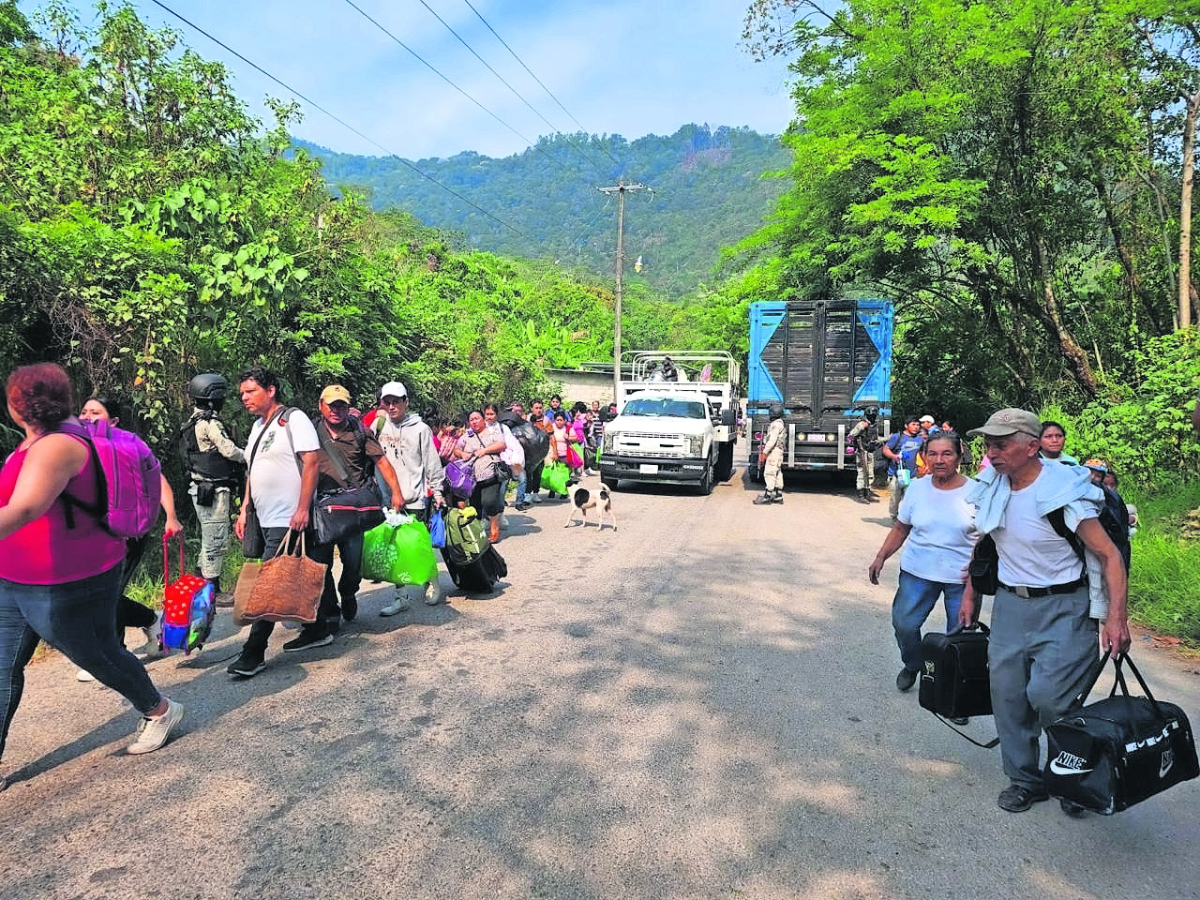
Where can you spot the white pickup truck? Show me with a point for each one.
(674, 431)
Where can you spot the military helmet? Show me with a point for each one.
(872, 412)
(209, 386)
(776, 411)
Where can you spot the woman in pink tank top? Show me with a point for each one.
(60, 576)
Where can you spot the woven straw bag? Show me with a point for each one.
(288, 588)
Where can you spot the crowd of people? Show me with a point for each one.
(1060, 573)
(63, 575)
(1034, 514)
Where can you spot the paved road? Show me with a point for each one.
(698, 705)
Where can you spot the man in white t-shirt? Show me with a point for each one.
(281, 482)
(1043, 638)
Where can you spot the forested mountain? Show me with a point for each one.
(708, 191)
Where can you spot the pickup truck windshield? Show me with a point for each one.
(660, 406)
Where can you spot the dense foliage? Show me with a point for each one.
(150, 230)
(709, 189)
(1017, 176)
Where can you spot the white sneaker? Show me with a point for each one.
(503, 520)
(398, 606)
(536, 498)
(153, 733)
(153, 648)
(433, 594)
(84, 675)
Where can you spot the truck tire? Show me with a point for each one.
(608, 482)
(706, 483)
(725, 462)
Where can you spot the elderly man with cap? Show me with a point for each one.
(1043, 639)
(408, 445)
(350, 455)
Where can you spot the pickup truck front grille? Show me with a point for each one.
(652, 444)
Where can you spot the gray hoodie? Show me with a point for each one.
(409, 448)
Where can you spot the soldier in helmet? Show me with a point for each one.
(770, 459)
(215, 466)
(864, 438)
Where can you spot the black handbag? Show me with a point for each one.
(954, 677)
(346, 513)
(338, 515)
(1114, 753)
(984, 567)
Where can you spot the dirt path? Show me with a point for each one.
(700, 704)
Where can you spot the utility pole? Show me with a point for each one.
(620, 189)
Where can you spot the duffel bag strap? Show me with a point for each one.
(994, 742)
(1122, 660)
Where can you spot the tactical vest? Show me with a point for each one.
(207, 465)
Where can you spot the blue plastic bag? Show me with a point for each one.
(437, 528)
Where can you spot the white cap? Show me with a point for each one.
(928, 419)
(392, 389)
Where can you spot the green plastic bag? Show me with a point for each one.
(401, 554)
(554, 477)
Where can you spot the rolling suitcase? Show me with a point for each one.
(1109, 755)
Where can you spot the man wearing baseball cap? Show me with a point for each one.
(1043, 639)
(349, 458)
(408, 444)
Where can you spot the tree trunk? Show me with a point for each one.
(1185, 211)
(1076, 355)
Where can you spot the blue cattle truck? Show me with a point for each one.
(825, 362)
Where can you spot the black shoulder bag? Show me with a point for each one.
(350, 511)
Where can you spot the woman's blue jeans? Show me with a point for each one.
(80, 619)
(914, 601)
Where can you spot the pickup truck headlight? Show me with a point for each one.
(609, 439)
(697, 444)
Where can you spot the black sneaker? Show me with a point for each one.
(311, 636)
(1018, 798)
(349, 608)
(906, 679)
(246, 666)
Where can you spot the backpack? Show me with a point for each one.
(128, 480)
(465, 540)
(1115, 525)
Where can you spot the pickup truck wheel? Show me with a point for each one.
(610, 483)
(724, 462)
(706, 483)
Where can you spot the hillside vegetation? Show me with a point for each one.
(710, 189)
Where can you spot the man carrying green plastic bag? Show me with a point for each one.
(399, 551)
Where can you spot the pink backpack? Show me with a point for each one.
(128, 480)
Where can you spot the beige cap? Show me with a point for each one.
(1009, 421)
(335, 392)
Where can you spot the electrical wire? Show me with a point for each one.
(341, 122)
(429, 66)
(517, 93)
(538, 80)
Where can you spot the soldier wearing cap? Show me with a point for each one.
(1043, 639)
(358, 457)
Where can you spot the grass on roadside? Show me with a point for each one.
(1164, 583)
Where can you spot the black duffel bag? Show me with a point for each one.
(1114, 753)
(342, 514)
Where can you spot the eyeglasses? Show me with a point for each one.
(394, 401)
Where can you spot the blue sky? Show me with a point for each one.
(619, 66)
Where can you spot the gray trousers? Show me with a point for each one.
(214, 531)
(1038, 657)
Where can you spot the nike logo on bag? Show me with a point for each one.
(1068, 764)
(1168, 760)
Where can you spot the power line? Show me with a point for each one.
(344, 124)
(538, 80)
(507, 85)
(429, 66)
